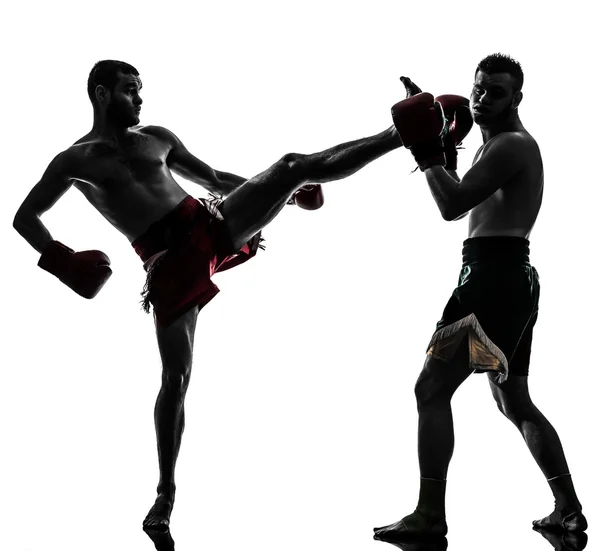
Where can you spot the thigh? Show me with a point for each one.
(176, 342)
(256, 202)
(519, 362)
(442, 378)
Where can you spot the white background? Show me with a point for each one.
(301, 417)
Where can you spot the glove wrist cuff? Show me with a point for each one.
(54, 256)
(429, 154)
(451, 160)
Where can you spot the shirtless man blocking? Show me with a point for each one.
(487, 324)
(124, 170)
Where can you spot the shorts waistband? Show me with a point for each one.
(496, 249)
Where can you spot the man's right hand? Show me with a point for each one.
(85, 272)
(460, 122)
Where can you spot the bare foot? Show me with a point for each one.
(411, 88)
(573, 521)
(159, 516)
(415, 524)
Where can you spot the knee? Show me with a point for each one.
(428, 392)
(294, 163)
(514, 412)
(176, 379)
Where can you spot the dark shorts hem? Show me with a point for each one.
(494, 306)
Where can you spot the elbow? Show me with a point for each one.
(18, 221)
(21, 219)
(452, 211)
(449, 214)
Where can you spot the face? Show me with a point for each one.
(492, 98)
(124, 102)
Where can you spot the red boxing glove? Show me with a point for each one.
(85, 272)
(309, 197)
(458, 115)
(420, 124)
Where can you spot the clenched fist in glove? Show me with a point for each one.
(458, 115)
(85, 272)
(420, 123)
(308, 197)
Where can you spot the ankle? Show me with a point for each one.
(166, 490)
(567, 506)
(432, 498)
(430, 514)
(565, 497)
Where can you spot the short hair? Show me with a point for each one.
(104, 73)
(501, 63)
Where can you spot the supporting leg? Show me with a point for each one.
(434, 390)
(175, 343)
(514, 401)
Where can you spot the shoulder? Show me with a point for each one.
(510, 141)
(161, 133)
(511, 147)
(65, 162)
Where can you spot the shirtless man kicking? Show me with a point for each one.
(487, 323)
(124, 170)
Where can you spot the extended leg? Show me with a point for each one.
(175, 343)
(256, 202)
(434, 390)
(544, 444)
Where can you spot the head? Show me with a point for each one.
(496, 91)
(114, 90)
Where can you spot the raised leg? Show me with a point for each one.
(514, 401)
(249, 208)
(434, 390)
(175, 343)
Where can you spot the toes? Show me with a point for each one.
(157, 526)
(411, 88)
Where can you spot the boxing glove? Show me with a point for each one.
(459, 119)
(420, 123)
(85, 272)
(309, 197)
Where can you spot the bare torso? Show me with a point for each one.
(513, 209)
(127, 181)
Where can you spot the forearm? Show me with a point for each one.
(444, 188)
(31, 228)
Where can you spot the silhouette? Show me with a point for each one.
(125, 171)
(487, 324)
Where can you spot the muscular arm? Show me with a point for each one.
(54, 183)
(500, 162)
(183, 163)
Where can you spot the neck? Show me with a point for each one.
(107, 129)
(511, 124)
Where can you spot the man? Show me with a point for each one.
(487, 324)
(124, 170)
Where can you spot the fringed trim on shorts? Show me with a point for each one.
(471, 322)
(146, 293)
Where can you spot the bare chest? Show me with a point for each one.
(106, 166)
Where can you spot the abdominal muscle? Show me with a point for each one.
(511, 212)
(135, 206)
